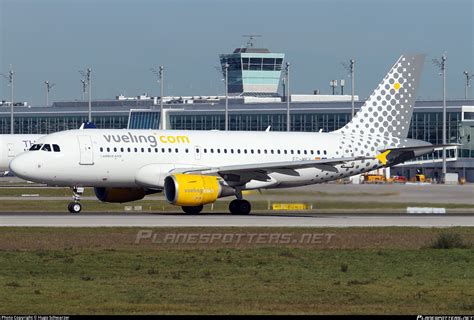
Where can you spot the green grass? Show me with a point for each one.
(219, 206)
(42, 192)
(66, 192)
(253, 280)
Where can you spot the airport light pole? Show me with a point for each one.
(288, 119)
(48, 89)
(468, 79)
(351, 69)
(11, 81)
(87, 78)
(333, 85)
(160, 73)
(226, 80)
(442, 65)
(84, 86)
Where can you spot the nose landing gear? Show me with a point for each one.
(75, 206)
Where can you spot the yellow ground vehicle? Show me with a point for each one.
(419, 178)
(374, 178)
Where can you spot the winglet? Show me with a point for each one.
(383, 157)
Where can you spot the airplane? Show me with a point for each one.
(13, 144)
(194, 168)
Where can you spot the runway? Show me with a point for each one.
(155, 220)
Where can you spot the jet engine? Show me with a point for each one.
(194, 190)
(119, 194)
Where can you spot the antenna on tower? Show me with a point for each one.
(251, 39)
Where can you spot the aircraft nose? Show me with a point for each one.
(20, 167)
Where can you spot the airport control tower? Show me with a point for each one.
(253, 71)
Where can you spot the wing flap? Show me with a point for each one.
(259, 171)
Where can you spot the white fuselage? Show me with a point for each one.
(12, 145)
(143, 158)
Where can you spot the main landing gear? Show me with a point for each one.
(75, 206)
(239, 206)
(192, 209)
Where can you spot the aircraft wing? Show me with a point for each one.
(259, 171)
(398, 155)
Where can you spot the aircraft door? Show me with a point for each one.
(10, 150)
(85, 149)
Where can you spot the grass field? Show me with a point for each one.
(30, 205)
(11, 200)
(362, 270)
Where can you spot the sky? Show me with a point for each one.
(121, 39)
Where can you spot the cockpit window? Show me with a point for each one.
(56, 148)
(46, 147)
(36, 147)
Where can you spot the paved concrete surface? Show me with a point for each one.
(255, 220)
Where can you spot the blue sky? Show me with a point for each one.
(121, 39)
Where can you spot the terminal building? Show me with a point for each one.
(254, 104)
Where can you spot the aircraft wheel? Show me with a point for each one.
(192, 209)
(240, 207)
(74, 207)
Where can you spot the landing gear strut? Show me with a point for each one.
(75, 206)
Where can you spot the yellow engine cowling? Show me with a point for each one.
(193, 190)
(119, 195)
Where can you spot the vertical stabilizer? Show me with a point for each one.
(388, 111)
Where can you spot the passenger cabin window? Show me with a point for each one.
(46, 147)
(36, 147)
